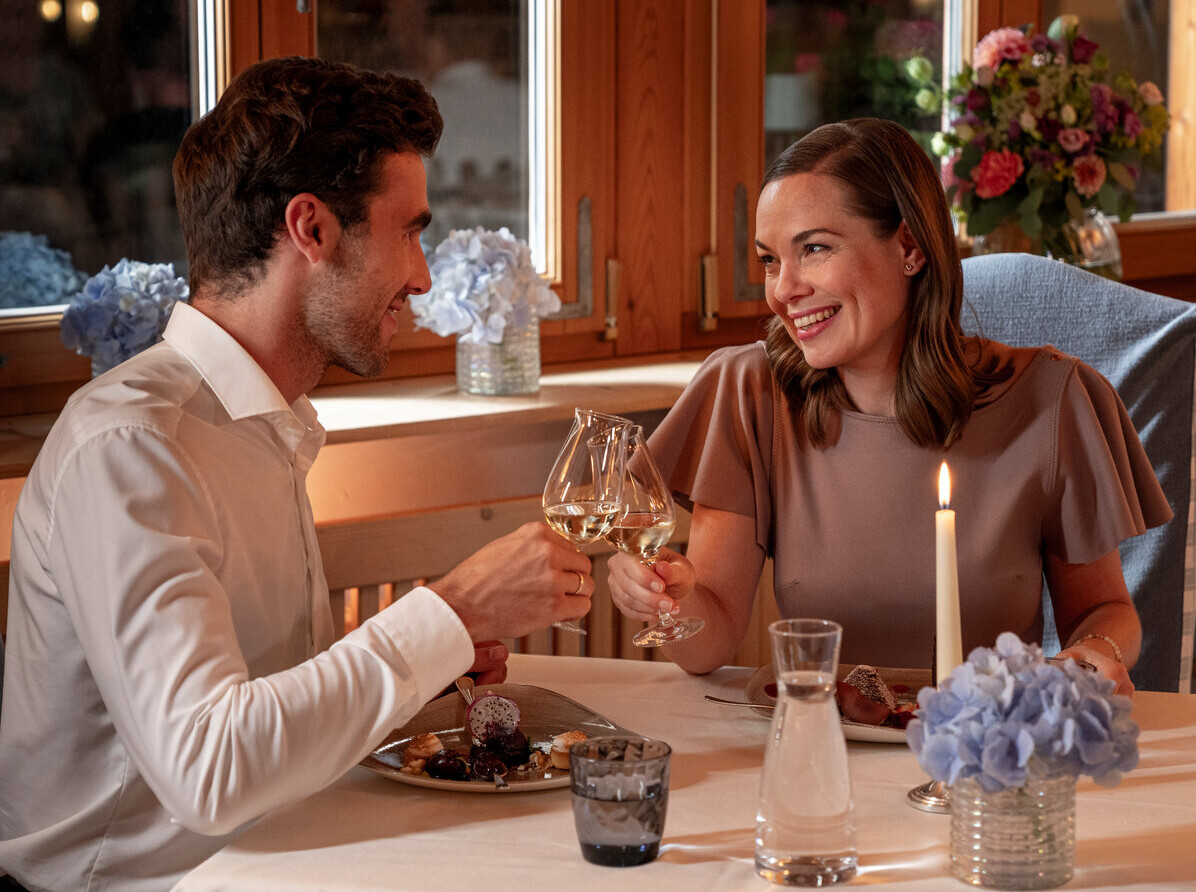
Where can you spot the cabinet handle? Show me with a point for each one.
(303, 6)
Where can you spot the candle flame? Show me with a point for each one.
(944, 486)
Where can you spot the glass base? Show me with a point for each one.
(620, 856)
(932, 796)
(807, 871)
(662, 633)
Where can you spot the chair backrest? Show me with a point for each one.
(1145, 344)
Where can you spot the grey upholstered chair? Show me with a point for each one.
(1145, 344)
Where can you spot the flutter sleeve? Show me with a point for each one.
(1104, 489)
(714, 448)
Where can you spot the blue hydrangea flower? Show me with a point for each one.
(32, 274)
(482, 281)
(121, 310)
(1006, 715)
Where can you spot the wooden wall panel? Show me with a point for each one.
(648, 182)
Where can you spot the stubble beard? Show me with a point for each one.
(339, 330)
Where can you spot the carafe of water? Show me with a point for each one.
(805, 829)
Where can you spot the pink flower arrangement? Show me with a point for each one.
(1039, 131)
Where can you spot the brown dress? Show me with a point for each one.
(1052, 463)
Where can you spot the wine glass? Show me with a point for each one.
(643, 528)
(583, 492)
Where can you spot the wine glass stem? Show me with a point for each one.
(665, 618)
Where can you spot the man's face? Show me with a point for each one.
(350, 309)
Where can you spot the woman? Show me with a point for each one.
(820, 446)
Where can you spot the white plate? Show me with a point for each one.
(913, 679)
(543, 714)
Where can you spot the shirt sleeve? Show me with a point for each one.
(1104, 489)
(714, 448)
(217, 747)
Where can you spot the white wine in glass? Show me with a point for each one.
(644, 528)
(582, 497)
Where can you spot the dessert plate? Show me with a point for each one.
(543, 714)
(761, 689)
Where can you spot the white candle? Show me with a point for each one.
(948, 638)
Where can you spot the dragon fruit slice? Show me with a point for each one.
(491, 713)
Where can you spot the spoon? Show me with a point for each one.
(739, 703)
(465, 689)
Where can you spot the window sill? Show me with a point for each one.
(405, 407)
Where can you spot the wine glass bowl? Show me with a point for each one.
(644, 527)
(583, 494)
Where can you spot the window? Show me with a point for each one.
(829, 61)
(1135, 36)
(660, 142)
(473, 56)
(94, 98)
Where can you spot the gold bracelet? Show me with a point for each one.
(1105, 638)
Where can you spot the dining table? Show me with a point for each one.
(368, 831)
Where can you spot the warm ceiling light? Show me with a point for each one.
(89, 11)
(50, 10)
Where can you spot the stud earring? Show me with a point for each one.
(908, 267)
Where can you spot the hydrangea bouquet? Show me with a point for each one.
(482, 281)
(32, 274)
(1039, 131)
(122, 310)
(1006, 716)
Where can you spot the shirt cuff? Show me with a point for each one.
(430, 638)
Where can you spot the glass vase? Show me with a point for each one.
(1090, 243)
(1005, 238)
(1021, 838)
(509, 367)
(98, 367)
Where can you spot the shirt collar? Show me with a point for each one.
(241, 385)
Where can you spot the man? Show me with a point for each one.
(169, 675)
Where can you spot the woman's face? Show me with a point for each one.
(842, 292)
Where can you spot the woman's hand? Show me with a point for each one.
(640, 591)
(1104, 663)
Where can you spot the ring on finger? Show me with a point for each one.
(581, 582)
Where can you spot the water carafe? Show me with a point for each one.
(805, 830)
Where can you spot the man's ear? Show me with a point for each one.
(911, 253)
(311, 226)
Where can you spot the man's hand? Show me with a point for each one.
(524, 581)
(489, 663)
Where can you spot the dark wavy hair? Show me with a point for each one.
(283, 127)
(888, 178)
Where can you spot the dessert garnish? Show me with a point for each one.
(491, 714)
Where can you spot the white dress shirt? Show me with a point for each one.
(169, 674)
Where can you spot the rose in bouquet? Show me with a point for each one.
(1007, 715)
(33, 274)
(482, 281)
(122, 310)
(1039, 131)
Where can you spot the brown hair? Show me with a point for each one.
(286, 126)
(888, 178)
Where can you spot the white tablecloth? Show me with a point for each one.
(367, 832)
